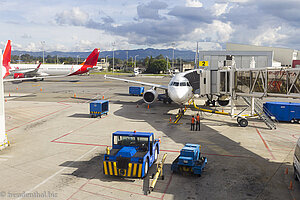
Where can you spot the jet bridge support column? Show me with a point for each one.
(252, 106)
(3, 137)
(231, 88)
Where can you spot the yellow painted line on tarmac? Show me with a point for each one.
(36, 85)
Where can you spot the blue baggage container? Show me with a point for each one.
(284, 111)
(98, 108)
(136, 90)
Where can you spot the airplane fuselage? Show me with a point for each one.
(51, 70)
(179, 89)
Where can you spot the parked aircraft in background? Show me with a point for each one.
(41, 71)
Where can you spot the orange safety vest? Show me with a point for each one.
(193, 120)
(198, 118)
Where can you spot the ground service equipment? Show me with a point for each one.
(132, 154)
(98, 108)
(136, 90)
(284, 111)
(189, 160)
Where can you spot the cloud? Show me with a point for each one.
(74, 17)
(193, 3)
(269, 37)
(150, 10)
(26, 36)
(198, 14)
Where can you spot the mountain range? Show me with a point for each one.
(121, 54)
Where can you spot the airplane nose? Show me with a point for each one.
(177, 96)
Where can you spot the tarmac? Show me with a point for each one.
(56, 149)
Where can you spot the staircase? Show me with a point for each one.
(263, 113)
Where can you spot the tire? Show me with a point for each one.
(238, 120)
(165, 101)
(155, 154)
(146, 168)
(292, 121)
(295, 174)
(243, 122)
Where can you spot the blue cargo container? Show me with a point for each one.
(284, 111)
(98, 108)
(136, 90)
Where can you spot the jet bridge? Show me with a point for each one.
(251, 84)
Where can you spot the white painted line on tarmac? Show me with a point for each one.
(56, 173)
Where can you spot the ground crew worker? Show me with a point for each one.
(193, 123)
(198, 122)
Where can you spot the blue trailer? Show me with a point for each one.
(98, 108)
(136, 90)
(284, 111)
(132, 154)
(190, 160)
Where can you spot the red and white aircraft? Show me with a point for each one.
(41, 71)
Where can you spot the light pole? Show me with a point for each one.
(173, 44)
(106, 62)
(77, 59)
(20, 58)
(131, 61)
(135, 60)
(43, 44)
(113, 44)
(127, 57)
(167, 62)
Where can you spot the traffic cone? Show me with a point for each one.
(286, 171)
(222, 109)
(148, 106)
(103, 97)
(137, 105)
(170, 119)
(5, 100)
(17, 88)
(74, 95)
(291, 185)
(41, 89)
(9, 94)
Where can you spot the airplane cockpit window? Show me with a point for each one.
(171, 83)
(188, 84)
(176, 83)
(183, 84)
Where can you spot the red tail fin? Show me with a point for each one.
(92, 58)
(7, 58)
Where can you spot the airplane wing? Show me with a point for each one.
(30, 71)
(138, 82)
(31, 78)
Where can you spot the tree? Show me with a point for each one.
(157, 66)
(160, 57)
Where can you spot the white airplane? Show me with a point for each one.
(179, 89)
(39, 72)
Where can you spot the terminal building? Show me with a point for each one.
(250, 55)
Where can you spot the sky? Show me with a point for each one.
(82, 25)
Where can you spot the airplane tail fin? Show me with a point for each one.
(92, 58)
(7, 58)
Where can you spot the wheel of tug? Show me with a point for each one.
(243, 122)
(238, 120)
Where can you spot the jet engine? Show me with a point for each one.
(150, 96)
(19, 75)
